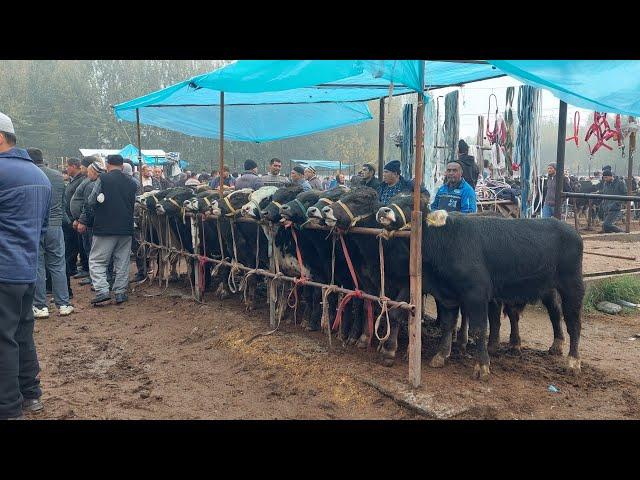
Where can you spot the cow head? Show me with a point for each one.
(230, 205)
(283, 195)
(314, 212)
(354, 206)
(397, 214)
(296, 209)
(172, 203)
(153, 199)
(258, 200)
(206, 201)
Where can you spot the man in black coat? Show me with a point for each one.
(112, 200)
(72, 239)
(470, 170)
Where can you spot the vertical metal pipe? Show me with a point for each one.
(632, 149)
(381, 140)
(562, 133)
(221, 142)
(415, 265)
(139, 149)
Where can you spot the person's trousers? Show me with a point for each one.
(18, 358)
(103, 249)
(52, 256)
(610, 218)
(548, 211)
(72, 248)
(87, 240)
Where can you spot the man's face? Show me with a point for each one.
(146, 172)
(92, 174)
(365, 173)
(390, 178)
(72, 170)
(308, 174)
(607, 179)
(225, 174)
(551, 171)
(295, 176)
(454, 173)
(275, 168)
(157, 172)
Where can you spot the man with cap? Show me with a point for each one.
(25, 196)
(611, 209)
(249, 178)
(297, 178)
(51, 257)
(77, 171)
(456, 195)
(112, 200)
(273, 177)
(470, 170)
(368, 174)
(549, 191)
(392, 182)
(311, 177)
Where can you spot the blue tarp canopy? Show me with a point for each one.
(131, 152)
(326, 164)
(611, 86)
(275, 99)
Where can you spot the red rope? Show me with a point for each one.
(576, 128)
(357, 293)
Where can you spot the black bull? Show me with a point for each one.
(470, 261)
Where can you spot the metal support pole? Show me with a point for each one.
(139, 149)
(562, 133)
(415, 249)
(195, 238)
(381, 140)
(632, 148)
(273, 287)
(221, 142)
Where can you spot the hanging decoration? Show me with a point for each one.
(451, 126)
(527, 146)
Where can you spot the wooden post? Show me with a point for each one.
(480, 143)
(139, 149)
(273, 287)
(195, 238)
(632, 149)
(381, 140)
(415, 263)
(221, 143)
(562, 132)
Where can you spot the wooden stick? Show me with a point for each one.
(611, 256)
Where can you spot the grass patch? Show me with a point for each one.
(621, 288)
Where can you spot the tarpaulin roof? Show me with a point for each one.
(130, 152)
(86, 152)
(275, 99)
(328, 164)
(611, 86)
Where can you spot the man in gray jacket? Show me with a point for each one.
(249, 178)
(611, 209)
(312, 178)
(51, 252)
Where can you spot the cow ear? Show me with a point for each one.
(437, 218)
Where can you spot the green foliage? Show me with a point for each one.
(621, 288)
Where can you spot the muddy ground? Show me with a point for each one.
(168, 357)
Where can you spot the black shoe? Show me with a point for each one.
(81, 274)
(32, 405)
(20, 417)
(101, 297)
(139, 277)
(121, 297)
(85, 281)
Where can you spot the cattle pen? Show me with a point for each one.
(414, 306)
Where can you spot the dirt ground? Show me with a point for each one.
(168, 357)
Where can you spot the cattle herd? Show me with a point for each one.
(479, 266)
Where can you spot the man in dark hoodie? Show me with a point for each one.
(470, 170)
(76, 170)
(25, 196)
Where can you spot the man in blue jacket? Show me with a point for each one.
(25, 196)
(456, 195)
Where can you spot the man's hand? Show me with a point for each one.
(81, 228)
(75, 224)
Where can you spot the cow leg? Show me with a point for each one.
(552, 304)
(462, 336)
(316, 311)
(358, 333)
(571, 294)
(494, 311)
(513, 311)
(448, 319)
(478, 310)
(173, 276)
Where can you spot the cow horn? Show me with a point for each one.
(437, 218)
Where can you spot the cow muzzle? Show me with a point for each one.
(385, 216)
(160, 210)
(329, 217)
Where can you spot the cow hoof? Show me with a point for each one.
(437, 361)
(174, 277)
(312, 328)
(574, 366)
(363, 342)
(352, 341)
(223, 295)
(481, 372)
(388, 362)
(515, 350)
(556, 348)
(492, 348)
